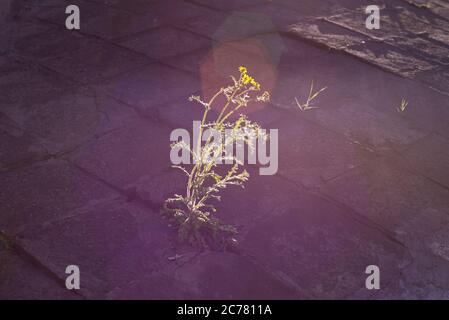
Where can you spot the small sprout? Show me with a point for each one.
(175, 257)
(308, 104)
(403, 106)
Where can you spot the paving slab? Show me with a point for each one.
(374, 91)
(249, 281)
(426, 109)
(391, 26)
(118, 20)
(424, 279)
(220, 26)
(310, 7)
(113, 23)
(46, 190)
(18, 148)
(192, 279)
(310, 154)
(297, 72)
(52, 43)
(123, 156)
(382, 192)
(438, 7)
(12, 32)
(85, 121)
(272, 13)
(6, 9)
(63, 123)
(150, 86)
(262, 55)
(96, 63)
(189, 62)
(164, 12)
(430, 156)
(400, 46)
(318, 247)
(231, 5)
(121, 18)
(206, 26)
(23, 84)
(134, 6)
(53, 12)
(158, 43)
(364, 124)
(111, 241)
(70, 119)
(21, 280)
(226, 58)
(263, 198)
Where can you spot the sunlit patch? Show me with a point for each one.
(227, 57)
(251, 50)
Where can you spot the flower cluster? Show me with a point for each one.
(239, 93)
(246, 79)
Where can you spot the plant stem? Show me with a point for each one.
(198, 163)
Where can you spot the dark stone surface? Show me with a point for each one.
(404, 44)
(209, 275)
(128, 154)
(319, 155)
(382, 192)
(158, 43)
(112, 241)
(85, 121)
(21, 280)
(96, 63)
(430, 156)
(317, 247)
(132, 87)
(18, 147)
(46, 190)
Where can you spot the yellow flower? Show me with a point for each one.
(255, 83)
(246, 79)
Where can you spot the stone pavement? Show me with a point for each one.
(85, 119)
